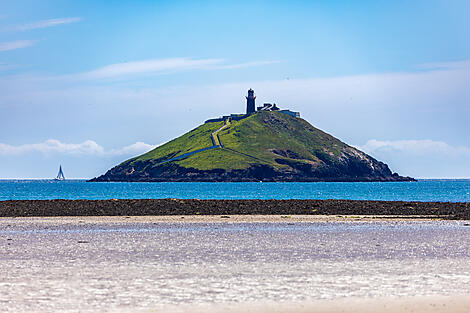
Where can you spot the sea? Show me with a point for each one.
(422, 190)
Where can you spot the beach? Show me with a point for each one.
(239, 263)
(436, 304)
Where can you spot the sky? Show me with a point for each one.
(89, 84)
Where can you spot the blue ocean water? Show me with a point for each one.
(423, 190)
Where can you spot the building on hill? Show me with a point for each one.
(250, 102)
(273, 107)
(251, 109)
(232, 117)
(291, 113)
(268, 107)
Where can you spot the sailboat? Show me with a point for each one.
(60, 175)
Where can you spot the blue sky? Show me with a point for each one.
(88, 85)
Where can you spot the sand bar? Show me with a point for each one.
(83, 220)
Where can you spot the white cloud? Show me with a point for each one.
(4, 67)
(45, 23)
(242, 65)
(415, 147)
(154, 66)
(421, 158)
(88, 147)
(445, 65)
(18, 44)
(52, 146)
(133, 149)
(149, 66)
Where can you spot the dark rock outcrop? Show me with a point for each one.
(142, 207)
(352, 168)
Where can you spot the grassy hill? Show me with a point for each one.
(268, 146)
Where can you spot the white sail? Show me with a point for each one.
(60, 175)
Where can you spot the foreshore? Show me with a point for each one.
(234, 263)
(193, 207)
(434, 304)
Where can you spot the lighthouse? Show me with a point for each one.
(250, 102)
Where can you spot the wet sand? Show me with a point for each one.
(234, 264)
(213, 219)
(436, 304)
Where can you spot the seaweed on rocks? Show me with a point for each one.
(143, 207)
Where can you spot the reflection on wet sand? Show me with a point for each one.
(91, 264)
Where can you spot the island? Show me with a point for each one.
(267, 144)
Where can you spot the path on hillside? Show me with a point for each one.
(215, 135)
(216, 143)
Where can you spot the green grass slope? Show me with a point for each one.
(258, 139)
(196, 139)
(252, 141)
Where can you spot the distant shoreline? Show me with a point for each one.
(173, 207)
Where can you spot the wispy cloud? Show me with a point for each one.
(4, 67)
(53, 146)
(133, 149)
(421, 158)
(242, 65)
(445, 65)
(415, 147)
(44, 24)
(149, 66)
(88, 147)
(18, 44)
(161, 66)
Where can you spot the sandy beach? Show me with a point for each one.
(247, 263)
(437, 304)
(212, 219)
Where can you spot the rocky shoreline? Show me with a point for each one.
(147, 207)
(353, 169)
